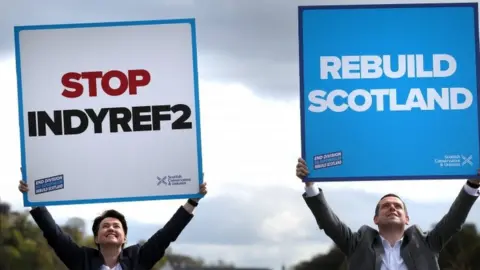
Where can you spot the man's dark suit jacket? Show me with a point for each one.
(364, 248)
(135, 257)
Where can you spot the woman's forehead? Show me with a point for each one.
(110, 220)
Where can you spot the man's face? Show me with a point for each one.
(110, 232)
(391, 211)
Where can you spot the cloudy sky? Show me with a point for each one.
(248, 61)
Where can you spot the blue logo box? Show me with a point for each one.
(389, 91)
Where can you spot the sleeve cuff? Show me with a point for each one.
(311, 191)
(471, 191)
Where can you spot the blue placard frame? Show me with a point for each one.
(192, 23)
(301, 9)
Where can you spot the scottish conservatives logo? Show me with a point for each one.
(454, 160)
(172, 180)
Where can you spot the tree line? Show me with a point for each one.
(22, 245)
(462, 252)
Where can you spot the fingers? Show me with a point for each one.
(476, 181)
(300, 160)
(203, 188)
(22, 186)
(302, 170)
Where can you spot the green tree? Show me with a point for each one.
(333, 260)
(22, 245)
(462, 251)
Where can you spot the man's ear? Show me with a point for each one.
(375, 220)
(407, 220)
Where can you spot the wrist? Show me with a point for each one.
(193, 202)
(473, 184)
(308, 184)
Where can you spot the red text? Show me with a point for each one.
(131, 81)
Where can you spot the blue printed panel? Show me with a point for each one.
(49, 184)
(389, 92)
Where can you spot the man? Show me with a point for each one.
(392, 247)
(110, 231)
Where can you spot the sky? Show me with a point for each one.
(254, 214)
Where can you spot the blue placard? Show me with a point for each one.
(389, 91)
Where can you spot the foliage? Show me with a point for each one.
(460, 253)
(22, 245)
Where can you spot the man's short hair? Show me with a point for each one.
(109, 214)
(377, 208)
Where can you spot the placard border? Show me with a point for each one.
(192, 23)
(301, 9)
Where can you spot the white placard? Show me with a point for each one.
(141, 79)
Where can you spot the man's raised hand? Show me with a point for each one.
(302, 170)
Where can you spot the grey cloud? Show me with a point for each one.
(230, 220)
(223, 220)
(226, 220)
(232, 226)
(226, 227)
(254, 43)
(250, 42)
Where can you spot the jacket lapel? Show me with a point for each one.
(406, 251)
(407, 258)
(97, 260)
(379, 252)
(125, 265)
(124, 261)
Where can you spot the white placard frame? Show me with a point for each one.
(196, 178)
